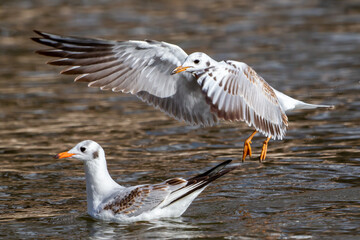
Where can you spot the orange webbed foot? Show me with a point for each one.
(247, 147)
(264, 149)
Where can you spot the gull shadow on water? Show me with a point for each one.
(83, 226)
(162, 228)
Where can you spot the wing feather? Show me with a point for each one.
(242, 95)
(140, 199)
(142, 68)
(136, 200)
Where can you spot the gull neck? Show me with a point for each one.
(99, 183)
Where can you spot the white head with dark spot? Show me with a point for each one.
(195, 62)
(98, 179)
(87, 151)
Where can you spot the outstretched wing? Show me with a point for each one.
(141, 199)
(138, 67)
(237, 93)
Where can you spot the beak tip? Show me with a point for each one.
(178, 70)
(64, 155)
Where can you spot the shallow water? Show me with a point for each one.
(308, 188)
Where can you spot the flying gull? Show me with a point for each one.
(107, 200)
(192, 88)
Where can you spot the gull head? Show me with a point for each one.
(195, 62)
(87, 150)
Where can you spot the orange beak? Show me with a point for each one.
(64, 155)
(179, 69)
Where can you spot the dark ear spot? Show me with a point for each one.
(207, 63)
(95, 155)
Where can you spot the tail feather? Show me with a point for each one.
(303, 105)
(289, 103)
(200, 181)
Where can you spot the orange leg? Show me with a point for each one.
(247, 147)
(264, 149)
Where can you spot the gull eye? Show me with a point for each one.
(82, 149)
(196, 61)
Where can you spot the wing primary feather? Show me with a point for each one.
(75, 40)
(81, 62)
(202, 180)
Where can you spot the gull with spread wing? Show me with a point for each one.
(192, 88)
(107, 200)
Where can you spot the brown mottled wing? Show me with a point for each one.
(140, 199)
(142, 68)
(237, 93)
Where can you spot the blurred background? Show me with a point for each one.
(307, 188)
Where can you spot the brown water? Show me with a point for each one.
(309, 186)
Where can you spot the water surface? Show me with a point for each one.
(308, 188)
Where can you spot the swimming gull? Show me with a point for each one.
(107, 200)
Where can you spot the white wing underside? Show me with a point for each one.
(237, 93)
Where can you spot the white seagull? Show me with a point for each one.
(192, 88)
(107, 200)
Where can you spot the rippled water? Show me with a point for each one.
(307, 188)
